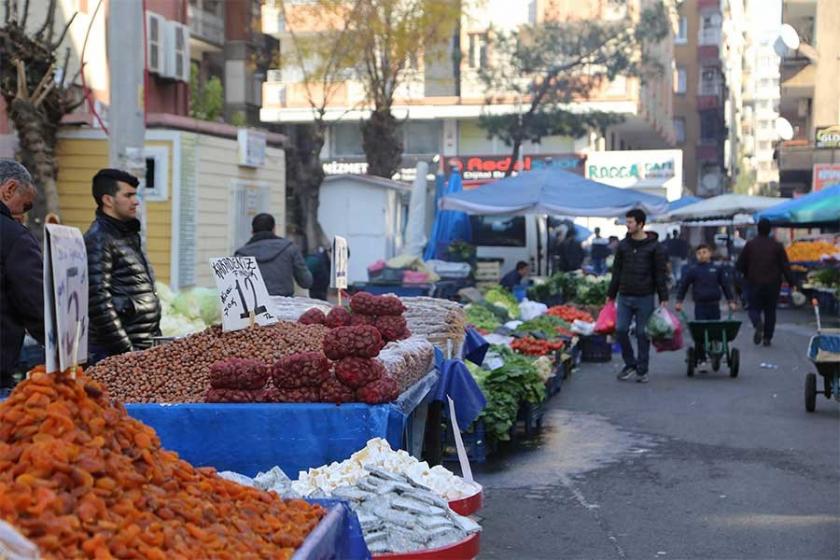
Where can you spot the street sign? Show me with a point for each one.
(340, 263)
(65, 297)
(242, 291)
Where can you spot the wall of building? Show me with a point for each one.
(826, 107)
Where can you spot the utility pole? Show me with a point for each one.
(126, 68)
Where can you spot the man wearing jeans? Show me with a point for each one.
(640, 270)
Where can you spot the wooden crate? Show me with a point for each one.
(488, 272)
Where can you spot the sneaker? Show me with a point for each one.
(766, 342)
(759, 333)
(626, 373)
(641, 378)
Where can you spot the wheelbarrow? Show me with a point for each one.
(712, 343)
(824, 353)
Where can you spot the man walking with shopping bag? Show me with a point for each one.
(640, 271)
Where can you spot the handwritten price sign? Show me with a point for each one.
(242, 292)
(65, 297)
(340, 263)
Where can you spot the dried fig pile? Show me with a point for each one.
(82, 479)
(180, 371)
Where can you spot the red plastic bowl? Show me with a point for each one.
(470, 504)
(461, 550)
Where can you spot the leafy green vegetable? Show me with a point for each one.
(482, 318)
(502, 298)
(504, 388)
(592, 290)
(544, 324)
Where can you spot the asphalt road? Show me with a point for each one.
(707, 467)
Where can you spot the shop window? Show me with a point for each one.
(347, 140)
(422, 137)
(498, 231)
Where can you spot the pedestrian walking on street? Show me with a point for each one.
(21, 268)
(281, 262)
(599, 252)
(123, 307)
(677, 253)
(764, 263)
(708, 282)
(640, 270)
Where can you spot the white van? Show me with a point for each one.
(512, 239)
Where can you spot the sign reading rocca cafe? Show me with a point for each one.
(828, 137)
(656, 172)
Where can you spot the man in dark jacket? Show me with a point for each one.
(123, 306)
(640, 270)
(764, 262)
(280, 261)
(319, 265)
(570, 252)
(21, 269)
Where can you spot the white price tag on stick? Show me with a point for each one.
(340, 263)
(65, 297)
(242, 292)
(466, 470)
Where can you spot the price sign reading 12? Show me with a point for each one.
(242, 293)
(65, 297)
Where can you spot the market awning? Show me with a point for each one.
(821, 207)
(723, 206)
(551, 191)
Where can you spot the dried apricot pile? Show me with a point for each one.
(82, 479)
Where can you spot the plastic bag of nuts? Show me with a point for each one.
(369, 304)
(362, 341)
(383, 390)
(298, 395)
(235, 395)
(334, 391)
(307, 369)
(356, 372)
(238, 373)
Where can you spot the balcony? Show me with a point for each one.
(705, 102)
(206, 26)
(708, 54)
(708, 151)
(708, 4)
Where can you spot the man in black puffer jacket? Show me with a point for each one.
(640, 270)
(124, 309)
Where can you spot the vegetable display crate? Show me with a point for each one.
(827, 301)
(555, 382)
(475, 443)
(531, 415)
(462, 550)
(595, 348)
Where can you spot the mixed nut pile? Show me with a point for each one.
(80, 478)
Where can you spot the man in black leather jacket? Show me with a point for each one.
(640, 270)
(21, 269)
(124, 309)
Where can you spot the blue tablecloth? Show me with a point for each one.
(349, 543)
(248, 438)
(457, 382)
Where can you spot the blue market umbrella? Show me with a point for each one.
(449, 225)
(551, 191)
(821, 207)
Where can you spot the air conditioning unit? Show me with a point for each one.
(155, 43)
(274, 76)
(177, 51)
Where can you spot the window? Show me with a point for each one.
(498, 231)
(347, 140)
(711, 125)
(710, 81)
(155, 182)
(422, 137)
(248, 200)
(681, 37)
(679, 129)
(710, 24)
(477, 55)
(680, 78)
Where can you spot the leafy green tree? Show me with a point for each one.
(550, 64)
(206, 99)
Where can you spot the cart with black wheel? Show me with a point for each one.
(713, 344)
(824, 353)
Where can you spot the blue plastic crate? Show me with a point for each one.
(475, 443)
(531, 415)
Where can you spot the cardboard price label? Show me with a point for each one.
(340, 263)
(65, 297)
(242, 291)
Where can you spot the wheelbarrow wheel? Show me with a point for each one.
(827, 386)
(691, 360)
(716, 363)
(734, 362)
(810, 392)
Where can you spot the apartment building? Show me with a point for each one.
(441, 103)
(703, 56)
(810, 90)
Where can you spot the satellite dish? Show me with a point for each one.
(710, 182)
(783, 128)
(787, 41)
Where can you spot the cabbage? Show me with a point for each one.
(500, 297)
(164, 294)
(209, 305)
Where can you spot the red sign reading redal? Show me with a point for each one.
(480, 169)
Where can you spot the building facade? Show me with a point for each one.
(441, 100)
(810, 90)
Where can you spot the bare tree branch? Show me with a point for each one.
(40, 98)
(25, 14)
(43, 84)
(64, 32)
(48, 23)
(22, 89)
(64, 67)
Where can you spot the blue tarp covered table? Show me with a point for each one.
(248, 438)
